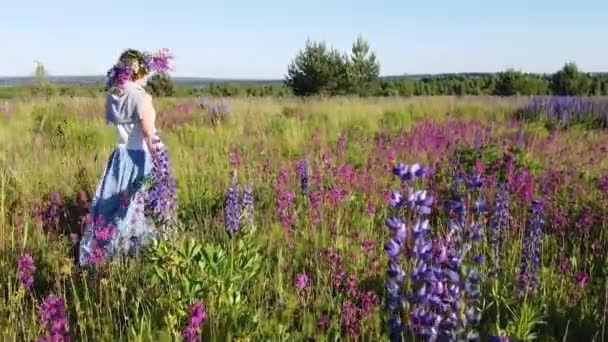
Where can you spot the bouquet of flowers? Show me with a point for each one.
(161, 191)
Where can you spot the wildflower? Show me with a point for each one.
(302, 281)
(323, 322)
(420, 201)
(52, 315)
(26, 269)
(519, 139)
(161, 200)
(530, 255)
(248, 208)
(232, 215)
(410, 172)
(285, 198)
(303, 172)
(196, 317)
(581, 279)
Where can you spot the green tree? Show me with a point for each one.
(317, 70)
(570, 81)
(161, 85)
(41, 81)
(512, 82)
(363, 69)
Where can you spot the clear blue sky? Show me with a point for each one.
(258, 38)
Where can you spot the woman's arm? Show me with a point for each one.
(148, 115)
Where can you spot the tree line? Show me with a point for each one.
(320, 70)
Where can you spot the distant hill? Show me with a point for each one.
(205, 81)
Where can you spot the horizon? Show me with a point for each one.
(240, 40)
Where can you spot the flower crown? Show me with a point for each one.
(121, 73)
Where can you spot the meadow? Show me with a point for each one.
(337, 246)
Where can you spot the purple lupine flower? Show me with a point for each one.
(500, 223)
(196, 317)
(52, 315)
(567, 110)
(26, 269)
(478, 140)
(489, 129)
(420, 202)
(248, 208)
(161, 199)
(302, 281)
(530, 255)
(303, 173)
(217, 110)
(410, 172)
(519, 139)
(232, 214)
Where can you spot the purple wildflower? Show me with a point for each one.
(530, 254)
(161, 200)
(52, 315)
(500, 222)
(581, 279)
(232, 215)
(302, 281)
(303, 172)
(248, 208)
(410, 172)
(420, 201)
(26, 269)
(196, 317)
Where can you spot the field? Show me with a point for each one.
(516, 243)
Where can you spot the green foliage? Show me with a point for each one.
(317, 70)
(570, 81)
(161, 85)
(513, 82)
(219, 274)
(42, 86)
(363, 69)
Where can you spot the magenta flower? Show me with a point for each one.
(26, 269)
(302, 281)
(106, 233)
(581, 279)
(196, 317)
(52, 315)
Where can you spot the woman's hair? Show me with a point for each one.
(132, 57)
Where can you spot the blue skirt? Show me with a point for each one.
(118, 224)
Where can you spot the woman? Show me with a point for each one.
(121, 214)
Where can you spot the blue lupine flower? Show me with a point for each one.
(396, 199)
(420, 201)
(410, 172)
(392, 248)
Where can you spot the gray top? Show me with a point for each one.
(122, 104)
